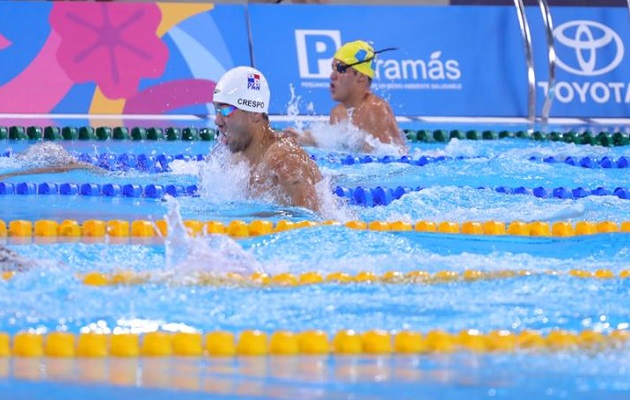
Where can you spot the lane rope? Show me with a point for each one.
(287, 279)
(312, 342)
(158, 163)
(103, 133)
(241, 229)
(383, 196)
(587, 161)
(147, 163)
(603, 138)
(366, 197)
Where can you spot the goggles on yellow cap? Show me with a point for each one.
(358, 54)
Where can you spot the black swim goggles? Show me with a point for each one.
(341, 68)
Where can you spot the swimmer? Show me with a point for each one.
(278, 165)
(353, 69)
(47, 158)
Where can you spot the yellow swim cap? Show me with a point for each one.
(360, 54)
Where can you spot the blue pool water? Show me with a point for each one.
(459, 188)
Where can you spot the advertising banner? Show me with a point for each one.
(165, 58)
(116, 58)
(451, 61)
(592, 71)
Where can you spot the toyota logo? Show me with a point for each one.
(589, 41)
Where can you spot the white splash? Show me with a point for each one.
(457, 148)
(182, 167)
(293, 109)
(216, 254)
(346, 137)
(45, 153)
(332, 206)
(343, 136)
(223, 178)
(448, 203)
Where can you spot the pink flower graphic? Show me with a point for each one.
(113, 44)
(4, 42)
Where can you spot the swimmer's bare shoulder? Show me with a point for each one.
(294, 171)
(338, 113)
(379, 120)
(286, 150)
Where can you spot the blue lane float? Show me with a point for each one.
(112, 190)
(48, 188)
(587, 162)
(26, 188)
(68, 189)
(384, 196)
(367, 197)
(350, 159)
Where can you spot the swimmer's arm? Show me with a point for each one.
(295, 176)
(304, 138)
(51, 170)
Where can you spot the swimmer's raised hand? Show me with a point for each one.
(304, 138)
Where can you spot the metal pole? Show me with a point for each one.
(546, 14)
(531, 75)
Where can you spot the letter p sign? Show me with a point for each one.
(315, 51)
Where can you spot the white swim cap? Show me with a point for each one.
(245, 88)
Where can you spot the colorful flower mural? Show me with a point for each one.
(114, 45)
(115, 58)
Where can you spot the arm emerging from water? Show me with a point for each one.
(304, 138)
(377, 119)
(53, 159)
(52, 170)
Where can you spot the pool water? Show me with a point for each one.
(459, 185)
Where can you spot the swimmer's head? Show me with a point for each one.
(359, 55)
(245, 88)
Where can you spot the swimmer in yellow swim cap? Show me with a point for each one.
(353, 68)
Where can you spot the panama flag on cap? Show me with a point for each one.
(253, 81)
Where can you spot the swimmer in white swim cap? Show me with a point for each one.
(278, 165)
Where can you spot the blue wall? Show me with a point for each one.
(451, 60)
